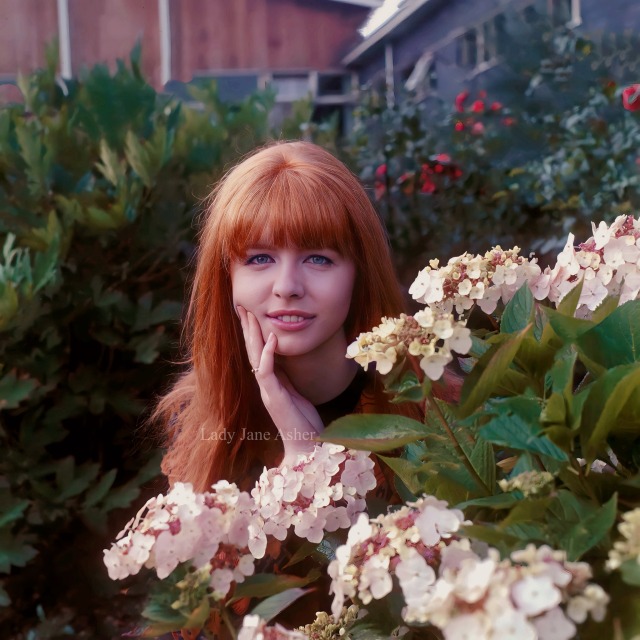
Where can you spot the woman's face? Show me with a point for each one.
(302, 296)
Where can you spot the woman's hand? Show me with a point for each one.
(295, 417)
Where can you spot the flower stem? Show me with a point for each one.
(452, 436)
(224, 614)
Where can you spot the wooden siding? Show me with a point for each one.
(105, 30)
(206, 35)
(26, 27)
(261, 35)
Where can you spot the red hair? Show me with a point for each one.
(299, 195)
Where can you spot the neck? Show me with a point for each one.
(320, 376)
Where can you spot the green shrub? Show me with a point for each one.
(100, 180)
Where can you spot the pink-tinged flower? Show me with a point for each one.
(508, 121)
(534, 595)
(443, 157)
(477, 129)
(496, 106)
(554, 625)
(460, 100)
(477, 106)
(631, 98)
(482, 94)
(459, 126)
(381, 171)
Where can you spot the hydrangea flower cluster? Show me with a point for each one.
(535, 595)
(406, 543)
(255, 628)
(217, 531)
(467, 280)
(430, 335)
(324, 491)
(629, 547)
(607, 263)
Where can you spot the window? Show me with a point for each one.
(467, 49)
(564, 12)
(291, 88)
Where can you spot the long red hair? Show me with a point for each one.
(300, 195)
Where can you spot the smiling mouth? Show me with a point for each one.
(288, 318)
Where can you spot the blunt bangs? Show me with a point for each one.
(293, 210)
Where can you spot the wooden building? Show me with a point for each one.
(294, 45)
(437, 47)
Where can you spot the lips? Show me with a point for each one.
(290, 320)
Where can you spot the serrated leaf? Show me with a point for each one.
(373, 432)
(515, 424)
(590, 530)
(405, 470)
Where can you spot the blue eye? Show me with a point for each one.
(319, 260)
(260, 258)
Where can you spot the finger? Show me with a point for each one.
(267, 358)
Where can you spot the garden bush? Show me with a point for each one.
(101, 178)
(525, 154)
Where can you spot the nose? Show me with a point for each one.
(288, 282)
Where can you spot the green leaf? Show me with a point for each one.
(405, 470)
(99, 490)
(14, 390)
(515, 424)
(590, 530)
(499, 501)
(11, 510)
(5, 600)
(607, 398)
(519, 311)
(630, 571)
(616, 340)
(569, 329)
(373, 432)
(271, 607)
(483, 461)
(262, 585)
(489, 371)
(14, 551)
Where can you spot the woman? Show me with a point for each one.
(293, 264)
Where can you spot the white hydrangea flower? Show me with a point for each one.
(430, 335)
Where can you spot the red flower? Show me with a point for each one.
(456, 173)
(460, 100)
(482, 94)
(631, 97)
(459, 126)
(477, 129)
(428, 186)
(477, 106)
(508, 121)
(443, 157)
(381, 171)
(496, 106)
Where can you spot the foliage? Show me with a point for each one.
(100, 180)
(531, 149)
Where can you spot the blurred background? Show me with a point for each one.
(470, 122)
